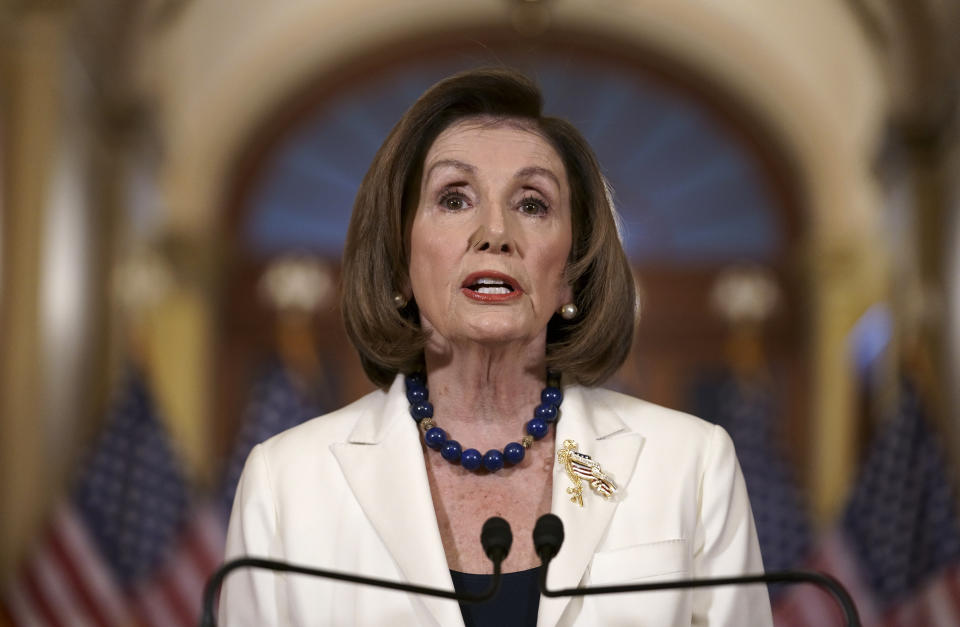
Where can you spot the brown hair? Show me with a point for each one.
(587, 349)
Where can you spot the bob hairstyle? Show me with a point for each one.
(587, 349)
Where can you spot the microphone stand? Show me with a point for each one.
(495, 537)
(548, 536)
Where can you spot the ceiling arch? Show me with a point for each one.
(825, 112)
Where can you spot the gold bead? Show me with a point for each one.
(426, 424)
(526, 441)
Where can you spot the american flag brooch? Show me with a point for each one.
(580, 466)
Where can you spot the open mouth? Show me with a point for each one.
(490, 286)
(487, 285)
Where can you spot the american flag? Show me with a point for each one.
(127, 546)
(897, 548)
(277, 401)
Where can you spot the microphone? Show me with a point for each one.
(548, 537)
(495, 537)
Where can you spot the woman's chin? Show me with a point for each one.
(492, 327)
(495, 334)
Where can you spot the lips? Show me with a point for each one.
(490, 286)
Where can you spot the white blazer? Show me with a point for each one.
(348, 491)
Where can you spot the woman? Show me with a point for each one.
(483, 254)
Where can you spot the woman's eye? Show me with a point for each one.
(454, 201)
(533, 206)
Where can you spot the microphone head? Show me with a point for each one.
(496, 538)
(548, 536)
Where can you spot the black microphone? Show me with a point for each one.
(548, 537)
(495, 537)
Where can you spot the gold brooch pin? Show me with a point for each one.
(580, 466)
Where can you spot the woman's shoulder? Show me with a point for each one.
(671, 437)
(325, 429)
(649, 418)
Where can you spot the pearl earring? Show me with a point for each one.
(569, 311)
(399, 301)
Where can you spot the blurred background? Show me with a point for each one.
(176, 178)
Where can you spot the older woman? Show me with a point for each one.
(487, 293)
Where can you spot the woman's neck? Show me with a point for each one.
(484, 396)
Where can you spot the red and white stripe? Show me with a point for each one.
(66, 582)
(810, 606)
(173, 596)
(937, 604)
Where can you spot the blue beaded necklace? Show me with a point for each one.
(493, 460)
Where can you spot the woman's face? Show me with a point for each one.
(491, 234)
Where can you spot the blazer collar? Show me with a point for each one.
(383, 465)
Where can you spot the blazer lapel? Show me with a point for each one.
(600, 433)
(383, 465)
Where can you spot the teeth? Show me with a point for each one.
(490, 285)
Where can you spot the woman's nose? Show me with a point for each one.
(493, 233)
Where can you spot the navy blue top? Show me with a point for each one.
(515, 604)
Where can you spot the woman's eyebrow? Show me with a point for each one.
(535, 171)
(454, 163)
